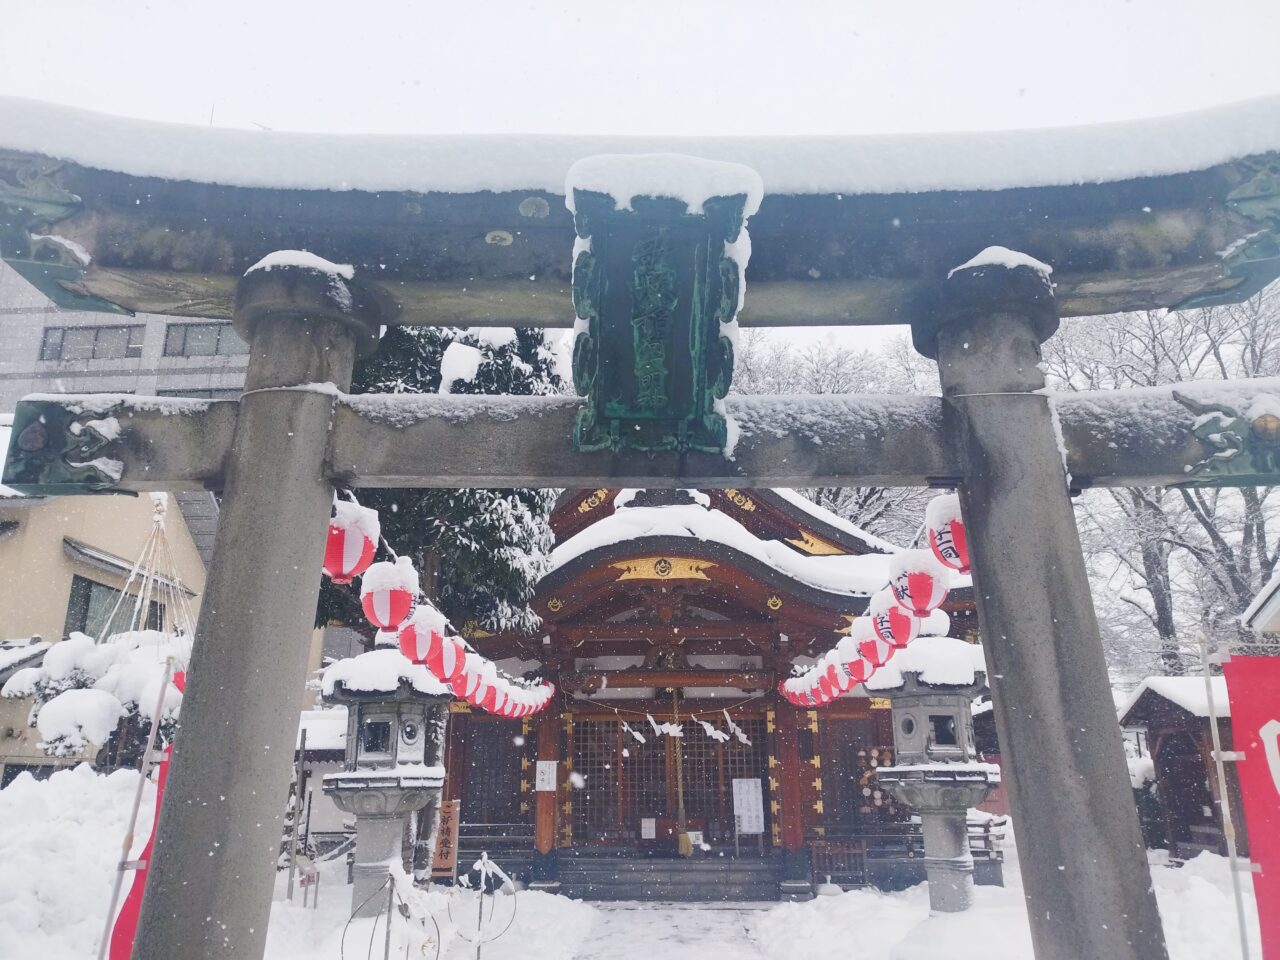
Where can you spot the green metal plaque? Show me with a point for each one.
(654, 288)
(56, 450)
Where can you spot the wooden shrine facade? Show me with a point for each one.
(643, 626)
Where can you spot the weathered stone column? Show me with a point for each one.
(210, 880)
(1084, 868)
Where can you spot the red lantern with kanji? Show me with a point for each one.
(876, 651)
(891, 623)
(918, 580)
(946, 532)
(387, 592)
(353, 538)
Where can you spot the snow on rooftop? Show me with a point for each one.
(1185, 692)
(381, 671)
(1261, 612)
(886, 163)
(946, 661)
(690, 179)
(818, 512)
(857, 576)
(326, 729)
(16, 651)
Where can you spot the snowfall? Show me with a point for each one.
(60, 842)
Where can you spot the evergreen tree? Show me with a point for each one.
(480, 551)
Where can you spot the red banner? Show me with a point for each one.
(1253, 686)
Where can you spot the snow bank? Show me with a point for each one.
(15, 651)
(689, 179)
(381, 671)
(898, 163)
(60, 844)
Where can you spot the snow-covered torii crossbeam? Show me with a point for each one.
(1221, 432)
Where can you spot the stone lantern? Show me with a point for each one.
(392, 764)
(931, 685)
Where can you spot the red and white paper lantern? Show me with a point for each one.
(387, 592)
(353, 538)
(876, 651)
(918, 580)
(946, 532)
(890, 621)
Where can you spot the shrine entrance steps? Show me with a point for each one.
(601, 875)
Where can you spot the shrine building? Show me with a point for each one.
(685, 608)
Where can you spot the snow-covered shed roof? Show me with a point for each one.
(19, 654)
(1186, 693)
(1263, 613)
(326, 729)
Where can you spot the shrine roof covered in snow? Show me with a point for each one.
(117, 214)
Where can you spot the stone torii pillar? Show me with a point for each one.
(209, 887)
(1084, 868)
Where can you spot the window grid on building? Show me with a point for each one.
(92, 343)
(202, 340)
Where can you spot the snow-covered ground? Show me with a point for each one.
(59, 847)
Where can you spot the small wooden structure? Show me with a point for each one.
(1175, 713)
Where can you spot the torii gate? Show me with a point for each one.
(1013, 449)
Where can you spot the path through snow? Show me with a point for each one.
(673, 931)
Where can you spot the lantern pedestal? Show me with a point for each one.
(942, 794)
(380, 800)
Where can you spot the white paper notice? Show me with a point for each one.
(648, 828)
(545, 777)
(748, 806)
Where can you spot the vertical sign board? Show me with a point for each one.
(544, 780)
(445, 863)
(1252, 685)
(748, 806)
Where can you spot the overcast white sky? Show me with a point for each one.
(641, 66)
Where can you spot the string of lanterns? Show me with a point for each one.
(391, 599)
(918, 584)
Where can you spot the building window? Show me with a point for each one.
(202, 340)
(201, 393)
(91, 605)
(92, 343)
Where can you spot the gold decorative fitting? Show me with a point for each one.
(524, 786)
(567, 808)
(813, 719)
(740, 499)
(773, 761)
(817, 762)
(774, 602)
(524, 806)
(594, 500)
(820, 831)
(774, 807)
(663, 568)
(473, 631)
(773, 784)
(817, 783)
(555, 604)
(815, 546)
(881, 703)
(524, 763)
(459, 706)
(818, 807)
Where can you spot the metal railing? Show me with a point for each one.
(845, 858)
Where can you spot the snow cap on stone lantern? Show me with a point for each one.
(890, 621)
(947, 537)
(387, 592)
(353, 537)
(918, 580)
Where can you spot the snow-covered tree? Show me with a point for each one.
(767, 363)
(481, 551)
(1169, 563)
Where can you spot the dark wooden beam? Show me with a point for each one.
(590, 681)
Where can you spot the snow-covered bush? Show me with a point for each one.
(81, 684)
